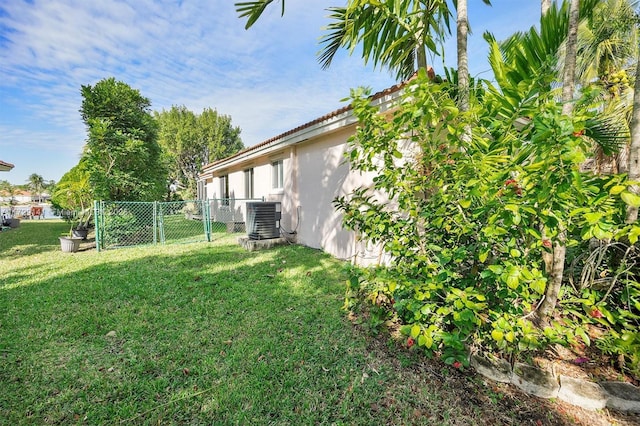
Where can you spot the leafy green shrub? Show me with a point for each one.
(469, 206)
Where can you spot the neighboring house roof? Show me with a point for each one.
(331, 121)
(5, 167)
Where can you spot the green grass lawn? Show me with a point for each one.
(207, 333)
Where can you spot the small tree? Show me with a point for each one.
(122, 153)
(74, 194)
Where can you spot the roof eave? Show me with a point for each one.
(328, 123)
(5, 167)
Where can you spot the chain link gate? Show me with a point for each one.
(130, 223)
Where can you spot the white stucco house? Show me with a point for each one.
(304, 169)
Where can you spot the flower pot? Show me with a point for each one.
(80, 233)
(70, 244)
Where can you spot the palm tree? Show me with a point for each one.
(394, 34)
(36, 184)
(525, 68)
(462, 27)
(607, 40)
(607, 48)
(568, 88)
(634, 148)
(569, 71)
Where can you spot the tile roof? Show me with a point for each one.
(332, 114)
(4, 164)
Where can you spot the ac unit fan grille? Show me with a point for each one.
(262, 220)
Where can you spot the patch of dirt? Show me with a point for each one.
(478, 400)
(583, 362)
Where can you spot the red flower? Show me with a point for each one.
(546, 243)
(410, 342)
(457, 364)
(579, 133)
(596, 313)
(513, 183)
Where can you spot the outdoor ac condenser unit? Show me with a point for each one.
(263, 220)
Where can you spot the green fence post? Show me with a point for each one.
(155, 223)
(206, 215)
(96, 221)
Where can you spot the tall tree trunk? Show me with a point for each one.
(462, 26)
(569, 76)
(421, 57)
(634, 148)
(559, 247)
(544, 6)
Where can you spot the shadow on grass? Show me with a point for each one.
(212, 334)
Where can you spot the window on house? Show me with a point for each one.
(277, 175)
(248, 183)
(202, 190)
(224, 189)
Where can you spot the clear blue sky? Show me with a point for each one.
(184, 52)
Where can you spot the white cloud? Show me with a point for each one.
(193, 52)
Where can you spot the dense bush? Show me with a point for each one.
(469, 221)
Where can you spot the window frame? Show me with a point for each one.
(248, 182)
(277, 174)
(224, 189)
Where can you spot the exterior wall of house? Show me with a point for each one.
(262, 188)
(323, 176)
(313, 175)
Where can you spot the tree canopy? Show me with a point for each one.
(121, 151)
(191, 140)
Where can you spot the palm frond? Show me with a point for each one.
(609, 130)
(252, 10)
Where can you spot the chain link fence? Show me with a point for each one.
(127, 223)
(228, 214)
